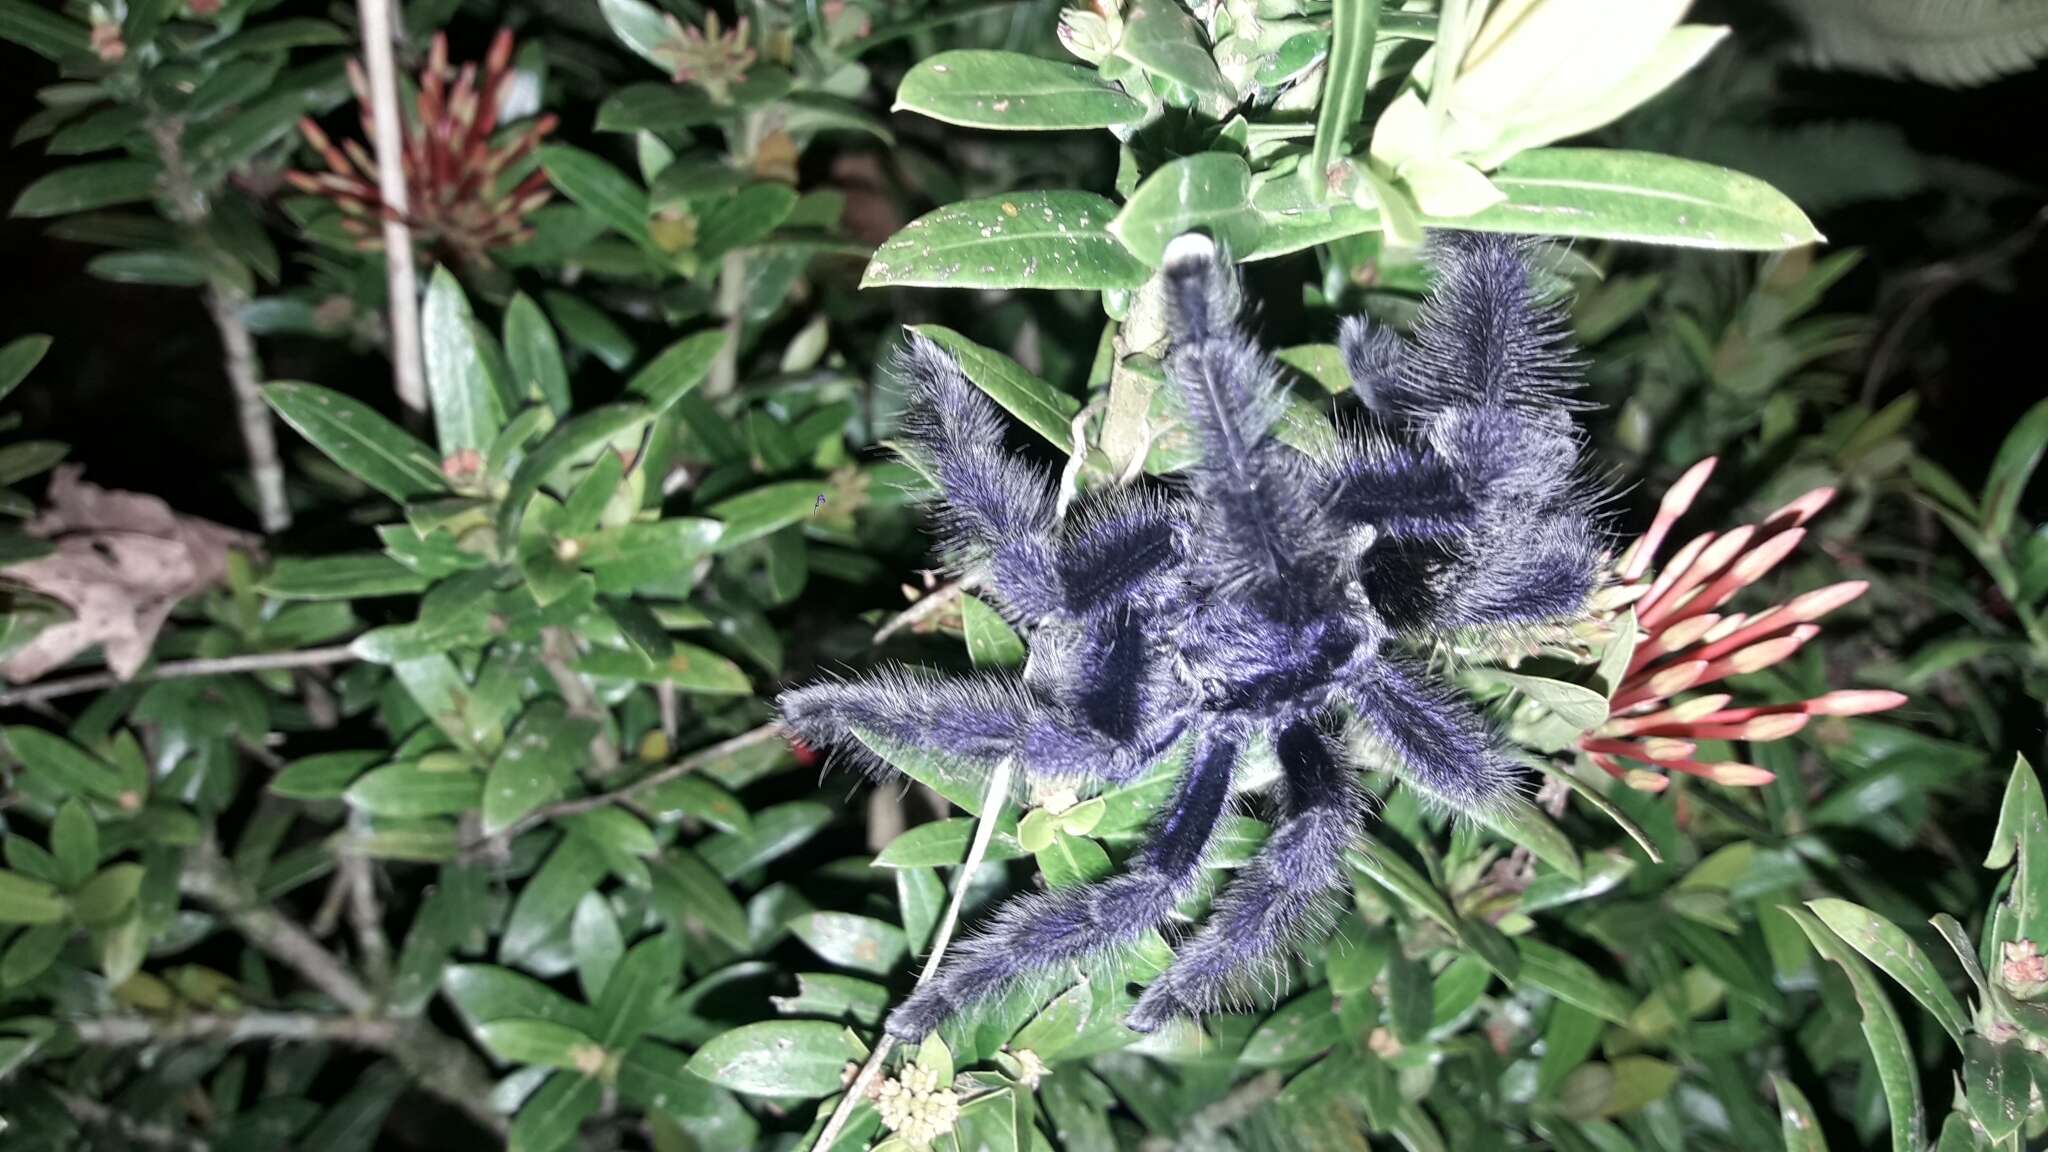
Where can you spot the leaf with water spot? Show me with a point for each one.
(1049, 239)
(1009, 91)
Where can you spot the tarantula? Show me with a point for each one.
(1264, 600)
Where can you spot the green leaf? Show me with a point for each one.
(679, 369)
(991, 642)
(1573, 981)
(1610, 194)
(544, 1042)
(597, 943)
(744, 219)
(849, 941)
(1999, 1086)
(550, 1120)
(1801, 1127)
(1045, 409)
(371, 448)
(786, 1058)
(83, 187)
(165, 267)
(1048, 239)
(1207, 192)
(2022, 832)
(941, 843)
(2018, 456)
(1524, 824)
(75, 842)
(638, 987)
(25, 900)
(920, 900)
(602, 189)
(467, 415)
(42, 31)
(764, 511)
(777, 831)
(535, 355)
(693, 669)
(342, 576)
(1886, 1036)
(575, 440)
(405, 791)
(1304, 1027)
(698, 798)
(1354, 26)
(1396, 875)
(588, 327)
(1887, 946)
(1008, 91)
(686, 890)
(640, 27)
(550, 897)
(483, 993)
(31, 953)
(1162, 38)
(538, 762)
(661, 108)
(63, 765)
(104, 898)
(19, 357)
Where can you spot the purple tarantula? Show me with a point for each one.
(1266, 600)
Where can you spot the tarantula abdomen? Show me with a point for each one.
(1267, 596)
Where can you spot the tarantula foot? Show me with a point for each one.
(1156, 1007)
(919, 1016)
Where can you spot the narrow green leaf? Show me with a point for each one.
(1884, 944)
(1354, 26)
(1801, 1127)
(1886, 1036)
(991, 642)
(483, 993)
(342, 576)
(687, 891)
(1009, 91)
(638, 988)
(83, 187)
(41, 31)
(765, 511)
(75, 842)
(597, 943)
(1047, 410)
(545, 1042)
(2018, 456)
(26, 900)
(1573, 981)
(322, 777)
(373, 449)
(19, 357)
(1611, 194)
(787, 1058)
(693, 669)
(1524, 824)
(1207, 192)
(534, 355)
(64, 765)
(641, 28)
(1999, 1085)
(552, 1117)
(405, 791)
(467, 415)
(575, 440)
(601, 188)
(1049, 239)
(850, 941)
(680, 367)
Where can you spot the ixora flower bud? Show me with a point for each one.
(712, 59)
(455, 193)
(1685, 640)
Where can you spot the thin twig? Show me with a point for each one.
(366, 917)
(683, 767)
(239, 1028)
(931, 605)
(224, 302)
(401, 278)
(1925, 287)
(86, 1110)
(178, 670)
(438, 1063)
(992, 801)
(557, 650)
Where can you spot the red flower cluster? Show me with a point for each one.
(453, 170)
(1685, 640)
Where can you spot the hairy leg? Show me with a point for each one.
(1442, 744)
(1032, 935)
(1279, 898)
(997, 512)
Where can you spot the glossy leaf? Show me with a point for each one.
(1208, 192)
(1049, 239)
(371, 448)
(1045, 409)
(1008, 91)
(1886, 945)
(786, 1058)
(1881, 1030)
(1610, 194)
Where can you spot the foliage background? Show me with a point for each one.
(1688, 1012)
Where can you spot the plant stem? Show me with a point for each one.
(438, 1063)
(224, 301)
(178, 670)
(401, 277)
(557, 649)
(88, 1111)
(239, 1028)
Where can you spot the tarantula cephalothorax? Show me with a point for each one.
(1267, 599)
